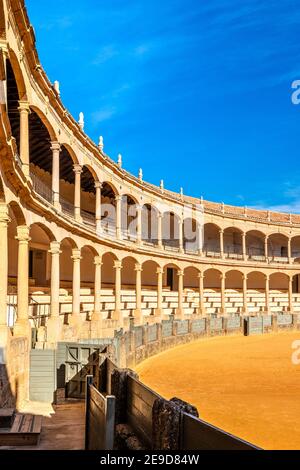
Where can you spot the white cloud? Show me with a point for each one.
(103, 115)
(105, 54)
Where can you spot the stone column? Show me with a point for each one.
(180, 310)
(267, 308)
(159, 231)
(181, 248)
(77, 196)
(56, 148)
(139, 224)
(159, 310)
(54, 324)
(24, 110)
(76, 257)
(119, 217)
(223, 291)
(266, 247)
(22, 326)
(97, 314)
(291, 302)
(4, 221)
(245, 300)
(244, 246)
(201, 294)
(118, 315)
(289, 249)
(138, 314)
(98, 187)
(222, 243)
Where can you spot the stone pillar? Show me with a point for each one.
(56, 148)
(180, 310)
(266, 247)
(76, 257)
(118, 286)
(223, 299)
(54, 323)
(138, 315)
(181, 248)
(119, 217)
(289, 249)
(159, 310)
(4, 221)
(267, 308)
(24, 110)
(97, 313)
(291, 302)
(159, 231)
(139, 210)
(77, 196)
(201, 294)
(222, 243)
(22, 326)
(245, 300)
(98, 187)
(244, 246)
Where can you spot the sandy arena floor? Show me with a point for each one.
(245, 385)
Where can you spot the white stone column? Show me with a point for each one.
(139, 210)
(223, 294)
(290, 289)
(180, 310)
(97, 314)
(4, 221)
(118, 315)
(289, 249)
(159, 231)
(22, 326)
(138, 314)
(98, 187)
(180, 227)
(56, 148)
(76, 257)
(54, 323)
(266, 247)
(245, 299)
(119, 217)
(201, 294)
(244, 246)
(222, 243)
(24, 110)
(77, 196)
(267, 294)
(159, 309)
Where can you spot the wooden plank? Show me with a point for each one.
(17, 423)
(27, 424)
(37, 424)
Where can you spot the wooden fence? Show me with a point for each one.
(156, 423)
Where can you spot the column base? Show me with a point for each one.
(118, 316)
(179, 315)
(54, 329)
(201, 312)
(138, 317)
(96, 324)
(22, 328)
(158, 312)
(75, 320)
(78, 218)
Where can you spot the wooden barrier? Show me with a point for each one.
(100, 419)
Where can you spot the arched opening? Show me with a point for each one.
(233, 245)
(39, 256)
(278, 248)
(128, 273)
(87, 269)
(108, 271)
(234, 280)
(67, 160)
(234, 292)
(149, 225)
(296, 284)
(17, 220)
(212, 280)
(212, 240)
(256, 287)
(191, 279)
(2, 193)
(108, 210)
(212, 287)
(129, 218)
(171, 231)
(279, 284)
(2, 22)
(255, 245)
(191, 242)
(13, 98)
(88, 196)
(40, 137)
(66, 264)
(170, 277)
(149, 284)
(295, 249)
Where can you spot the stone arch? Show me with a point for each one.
(39, 257)
(45, 121)
(129, 217)
(67, 245)
(255, 244)
(17, 212)
(256, 280)
(71, 152)
(234, 280)
(211, 243)
(128, 274)
(279, 281)
(233, 244)
(2, 192)
(108, 208)
(150, 216)
(278, 245)
(171, 227)
(170, 277)
(191, 240)
(87, 266)
(13, 60)
(191, 277)
(108, 271)
(212, 279)
(149, 274)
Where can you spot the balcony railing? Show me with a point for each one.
(88, 218)
(41, 188)
(67, 207)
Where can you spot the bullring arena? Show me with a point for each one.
(90, 252)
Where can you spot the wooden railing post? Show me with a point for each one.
(89, 382)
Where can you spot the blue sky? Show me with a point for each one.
(195, 92)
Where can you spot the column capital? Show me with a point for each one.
(76, 255)
(77, 169)
(180, 273)
(98, 185)
(55, 248)
(98, 261)
(118, 265)
(138, 267)
(159, 271)
(55, 146)
(118, 198)
(201, 275)
(223, 276)
(4, 217)
(221, 231)
(245, 277)
(267, 277)
(24, 106)
(23, 234)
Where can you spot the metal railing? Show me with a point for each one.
(41, 188)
